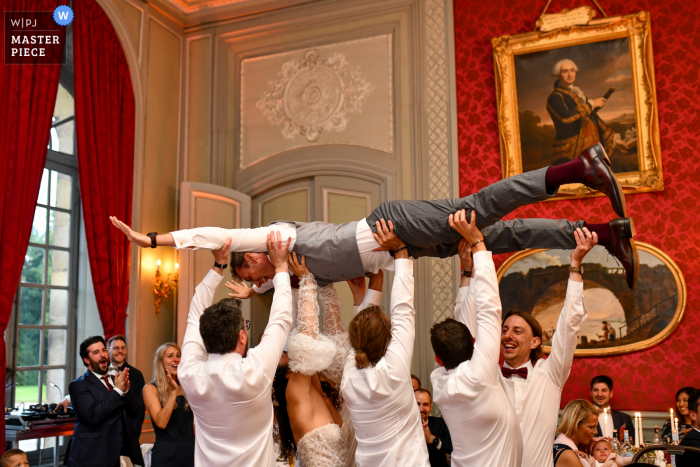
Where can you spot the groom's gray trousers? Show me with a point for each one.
(424, 225)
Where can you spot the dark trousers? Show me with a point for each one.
(424, 225)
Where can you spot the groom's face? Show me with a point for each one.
(256, 269)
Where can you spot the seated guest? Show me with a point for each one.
(116, 345)
(576, 431)
(437, 436)
(376, 380)
(104, 406)
(692, 437)
(601, 393)
(228, 386)
(415, 382)
(685, 424)
(467, 384)
(173, 421)
(14, 458)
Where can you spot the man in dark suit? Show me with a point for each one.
(691, 438)
(437, 436)
(601, 393)
(103, 405)
(116, 345)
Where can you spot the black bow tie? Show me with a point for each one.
(508, 372)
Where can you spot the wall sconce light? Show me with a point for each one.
(162, 288)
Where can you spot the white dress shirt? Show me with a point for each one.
(536, 399)
(481, 419)
(230, 395)
(255, 240)
(104, 383)
(380, 398)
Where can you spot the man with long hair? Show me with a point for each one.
(532, 383)
(227, 385)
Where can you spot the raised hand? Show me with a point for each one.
(299, 269)
(585, 241)
(358, 288)
(376, 281)
(466, 229)
(221, 255)
(134, 237)
(386, 237)
(121, 381)
(465, 255)
(171, 381)
(240, 290)
(278, 251)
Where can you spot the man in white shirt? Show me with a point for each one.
(466, 386)
(532, 383)
(380, 397)
(228, 386)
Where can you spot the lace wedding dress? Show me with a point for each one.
(311, 352)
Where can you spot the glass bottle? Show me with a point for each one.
(627, 450)
(657, 437)
(615, 443)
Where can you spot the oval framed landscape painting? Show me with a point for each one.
(619, 320)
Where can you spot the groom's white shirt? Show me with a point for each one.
(230, 394)
(255, 240)
(536, 400)
(481, 419)
(380, 398)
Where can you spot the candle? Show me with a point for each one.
(641, 430)
(605, 421)
(675, 425)
(671, 420)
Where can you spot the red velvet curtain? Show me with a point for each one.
(27, 99)
(104, 119)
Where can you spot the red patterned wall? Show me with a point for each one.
(670, 219)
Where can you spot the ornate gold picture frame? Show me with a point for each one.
(619, 320)
(544, 120)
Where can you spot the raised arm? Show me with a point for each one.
(308, 351)
(465, 306)
(280, 320)
(399, 353)
(487, 345)
(558, 364)
(194, 353)
(364, 296)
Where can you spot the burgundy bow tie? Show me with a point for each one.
(508, 372)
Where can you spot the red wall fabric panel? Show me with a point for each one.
(645, 380)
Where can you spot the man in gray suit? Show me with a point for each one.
(342, 252)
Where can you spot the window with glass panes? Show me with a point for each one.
(44, 318)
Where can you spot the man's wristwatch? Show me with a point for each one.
(393, 252)
(466, 273)
(220, 266)
(436, 441)
(153, 236)
(578, 269)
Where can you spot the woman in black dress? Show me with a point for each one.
(173, 421)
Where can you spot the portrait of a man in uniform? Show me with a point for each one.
(574, 115)
(562, 109)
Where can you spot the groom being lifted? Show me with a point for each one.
(336, 253)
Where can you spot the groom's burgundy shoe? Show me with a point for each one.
(598, 175)
(623, 248)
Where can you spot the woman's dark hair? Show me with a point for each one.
(687, 390)
(452, 342)
(333, 394)
(535, 326)
(283, 429)
(370, 333)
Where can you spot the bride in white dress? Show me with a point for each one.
(308, 404)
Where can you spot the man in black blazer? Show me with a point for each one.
(103, 405)
(691, 438)
(437, 436)
(601, 393)
(116, 345)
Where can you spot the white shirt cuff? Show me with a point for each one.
(574, 289)
(212, 279)
(482, 258)
(403, 266)
(280, 279)
(119, 391)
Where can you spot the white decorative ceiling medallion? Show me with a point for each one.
(314, 96)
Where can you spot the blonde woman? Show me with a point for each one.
(173, 421)
(579, 424)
